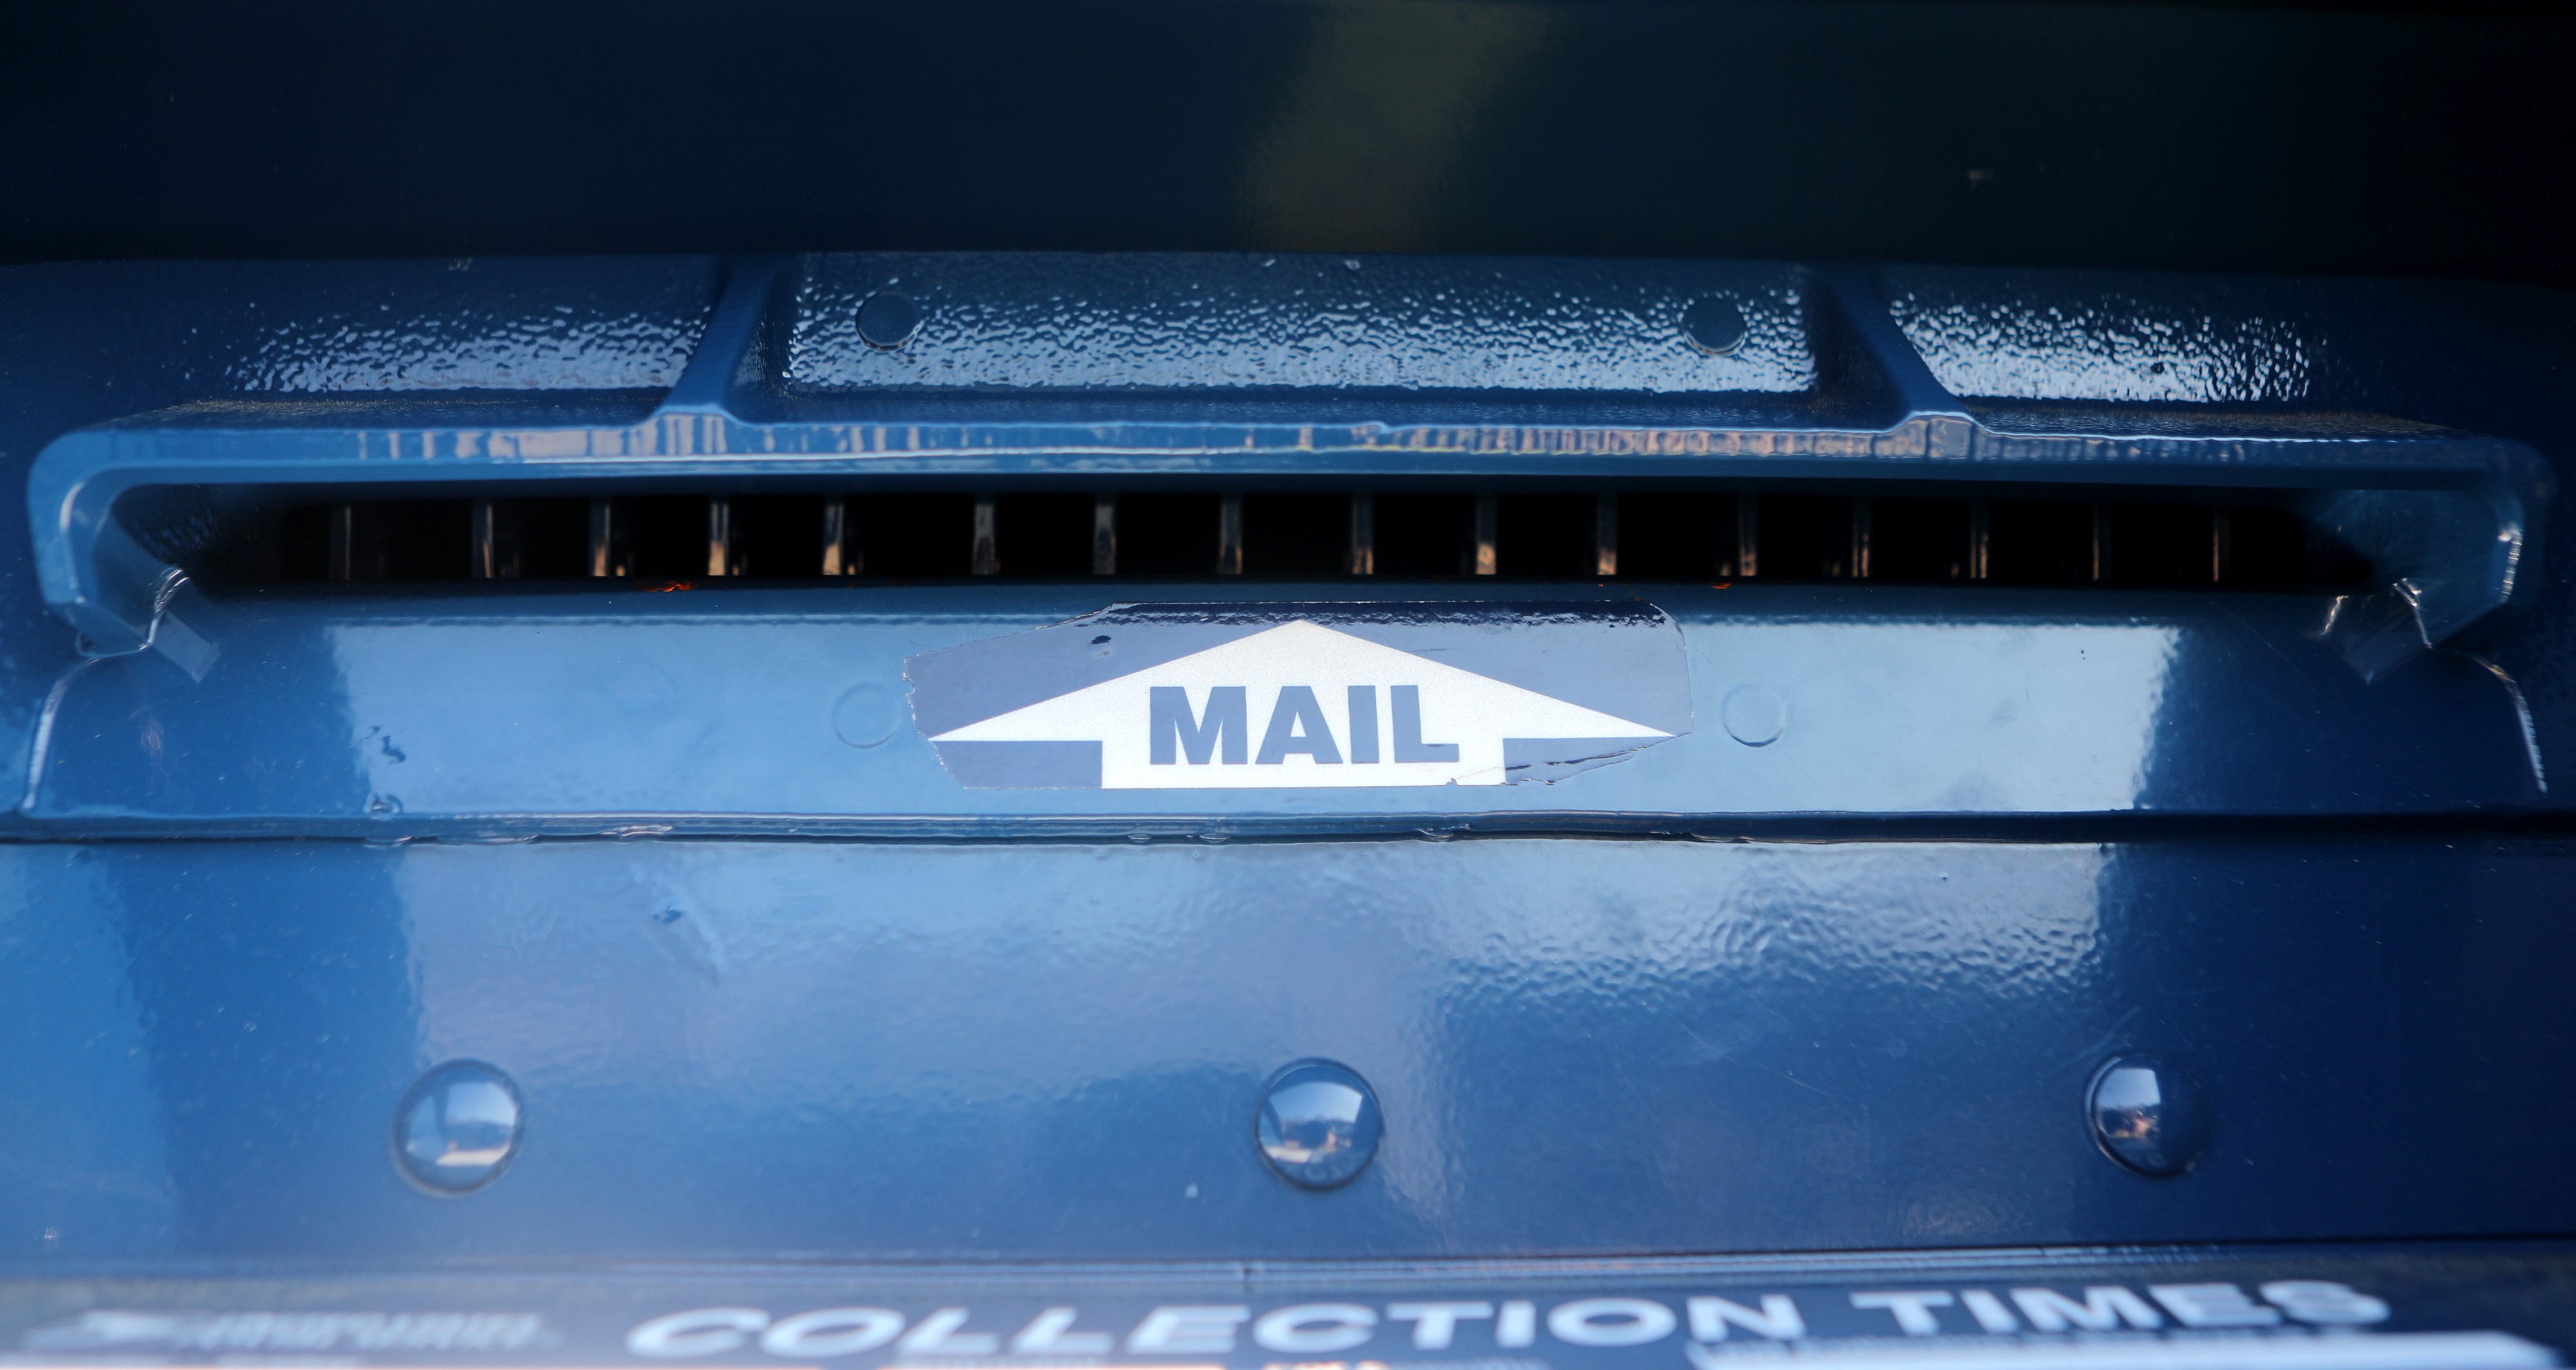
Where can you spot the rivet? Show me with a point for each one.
(888, 320)
(1754, 715)
(2148, 1115)
(457, 1127)
(1319, 1124)
(1715, 326)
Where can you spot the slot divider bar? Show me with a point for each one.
(1363, 550)
(2101, 543)
(987, 559)
(1229, 534)
(841, 552)
(2221, 539)
(1487, 517)
(1748, 537)
(1104, 534)
(719, 536)
(342, 563)
(609, 552)
(1980, 537)
(491, 560)
(1863, 527)
(1605, 535)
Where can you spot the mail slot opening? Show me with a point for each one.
(1898, 535)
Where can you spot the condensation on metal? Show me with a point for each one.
(475, 324)
(2071, 336)
(1049, 321)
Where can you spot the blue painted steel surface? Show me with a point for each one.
(1053, 1052)
(831, 1004)
(1446, 373)
(601, 712)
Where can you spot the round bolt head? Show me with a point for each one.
(2148, 1115)
(888, 320)
(1714, 326)
(1319, 1124)
(457, 1127)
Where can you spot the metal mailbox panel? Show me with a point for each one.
(824, 1049)
(748, 710)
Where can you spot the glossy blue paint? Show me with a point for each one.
(972, 1051)
(301, 714)
(1185, 364)
(772, 983)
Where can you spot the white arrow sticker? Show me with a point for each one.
(1301, 706)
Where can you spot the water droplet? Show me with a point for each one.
(1318, 1124)
(457, 1127)
(2148, 1115)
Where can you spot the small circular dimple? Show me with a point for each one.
(1715, 326)
(887, 320)
(457, 1127)
(1318, 1124)
(865, 715)
(2148, 1115)
(1754, 715)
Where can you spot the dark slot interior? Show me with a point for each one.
(2161, 544)
(2144, 538)
(2040, 543)
(1043, 533)
(776, 536)
(1301, 535)
(1919, 541)
(1422, 535)
(915, 536)
(1548, 537)
(1803, 537)
(666, 537)
(415, 540)
(1676, 535)
(1167, 533)
(2270, 549)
